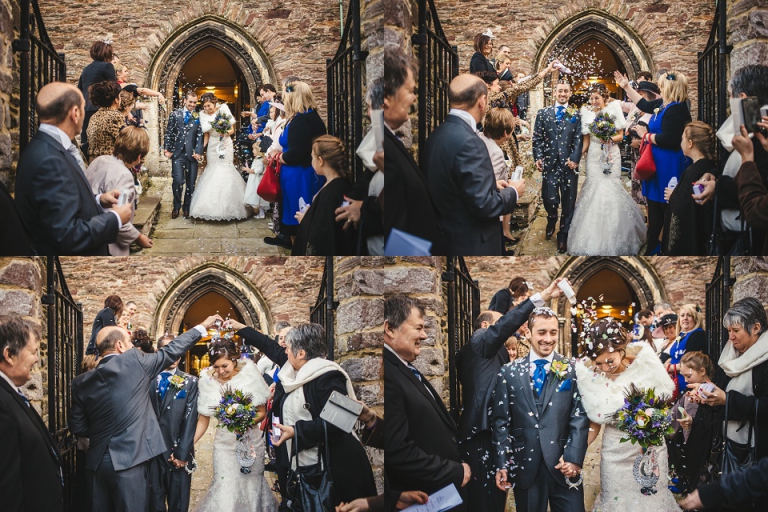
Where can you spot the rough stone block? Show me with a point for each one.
(370, 394)
(360, 282)
(753, 286)
(747, 265)
(363, 340)
(410, 280)
(21, 273)
(431, 361)
(33, 389)
(17, 302)
(359, 314)
(363, 368)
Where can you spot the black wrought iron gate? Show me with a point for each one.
(39, 64)
(324, 310)
(718, 302)
(65, 346)
(345, 88)
(438, 65)
(463, 297)
(713, 73)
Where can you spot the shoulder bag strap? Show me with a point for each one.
(327, 463)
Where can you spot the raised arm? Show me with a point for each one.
(264, 343)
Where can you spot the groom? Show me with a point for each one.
(184, 145)
(557, 144)
(538, 426)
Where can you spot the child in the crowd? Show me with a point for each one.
(511, 346)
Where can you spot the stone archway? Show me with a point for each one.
(211, 277)
(637, 273)
(592, 24)
(209, 31)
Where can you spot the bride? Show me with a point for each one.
(220, 190)
(603, 386)
(606, 221)
(231, 489)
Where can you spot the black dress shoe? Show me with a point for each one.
(511, 241)
(279, 241)
(174, 213)
(562, 246)
(550, 228)
(186, 215)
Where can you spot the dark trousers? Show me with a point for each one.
(84, 134)
(482, 493)
(183, 170)
(545, 489)
(120, 491)
(169, 487)
(558, 189)
(83, 482)
(656, 213)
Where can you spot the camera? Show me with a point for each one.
(748, 112)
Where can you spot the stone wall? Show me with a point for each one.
(9, 84)
(748, 32)
(22, 281)
(359, 286)
(751, 276)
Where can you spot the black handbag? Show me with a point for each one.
(310, 488)
(738, 456)
(265, 142)
(724, 242)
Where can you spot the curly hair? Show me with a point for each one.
(223, 348)
(600, 89)
(208, 96)
(141, 340)
(104, 93)
(606, 335)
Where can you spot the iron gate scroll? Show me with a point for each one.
(39, 64)
(718, 302)
(324, 310)
(65, 346)
(463, 309)
(713, 74)
(438, 65)
(344, 74)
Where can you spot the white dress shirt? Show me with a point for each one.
(10, 382)
(465, 116)
(533, 356)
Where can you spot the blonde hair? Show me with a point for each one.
(298, 99)
(703, 138)
(674, 87)
(695, 312)
(131, 143)
(500, 58)
(126, 101)
(498, 122)
(331, 150)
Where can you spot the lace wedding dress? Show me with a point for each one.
(220, 190)
(606, 221)
(230, 489)
(602, 397)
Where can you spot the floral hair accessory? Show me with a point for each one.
(671, 76)
(289, 88)
(107, 41)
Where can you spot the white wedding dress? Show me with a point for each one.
(220, 189)
(231, 490)
(602, 397)
(606, 221)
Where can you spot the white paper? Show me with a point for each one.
(377, 122)
(303, 206)
(444, 499)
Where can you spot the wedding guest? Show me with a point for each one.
(297, 177)
(83, 477)
(52, 194)
(688, 224)
(505, 299)
(511, 346)
(140, 339)
(319, 233)
(753, 186)
(107, 121)
(113, 172)
(410, 205)
(483, 48)
(644, 323)
(113, 308)
(111, 405)
(736, 491)
(524, 99)
(30, 471)
(129, 312)
(650, 91)
(267, 93)
(665, 129)
(127, 101)
(503, 65)
(421, 447)
(690, 337)
(666, 333)
(100, 70)
(468, 199)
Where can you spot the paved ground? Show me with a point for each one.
(180, 235)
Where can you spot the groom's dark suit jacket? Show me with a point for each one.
(183, 139)
(558, 426)
(463, 187)
(177, 414)
(56, 204)
(30, 473)
(111, 405)
(421, 449)
(554, 143)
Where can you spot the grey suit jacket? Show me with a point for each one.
(554, 143)
(524, 440)
(177, 414)
(183, 139)
(463, 187)
(111, 405)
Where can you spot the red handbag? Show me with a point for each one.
(269, 186)
(646, 167)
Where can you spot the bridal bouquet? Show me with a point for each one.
(221, 123)
(603, 127)
(237, 414)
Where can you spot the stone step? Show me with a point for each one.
(145, 216)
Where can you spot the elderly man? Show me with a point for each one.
(468, 198)
(53, 196)
(478, 363)
(30, 472)
(421, 450)
(111, 405)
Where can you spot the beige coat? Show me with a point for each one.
(109, 173)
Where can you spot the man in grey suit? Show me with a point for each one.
(176, 407)
(184, 146)
(557, 144)
(539, 428)
(478, 363)
(111, 405)
(460, 175)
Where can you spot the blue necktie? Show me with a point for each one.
(415, 372)
(539, 375)
(560, 113)
(163, 386)
(23, 397)
(186, 116)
